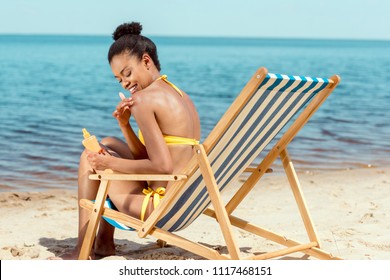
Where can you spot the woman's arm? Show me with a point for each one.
(159, 159)
(137, 149)
(122, 114)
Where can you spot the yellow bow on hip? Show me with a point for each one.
(157, 196)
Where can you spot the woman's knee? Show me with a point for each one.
(110, 140)
(118, 146)
(83, 162)
(83, 157)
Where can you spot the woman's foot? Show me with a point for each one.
(103, 249)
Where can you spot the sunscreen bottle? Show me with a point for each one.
(90, 142)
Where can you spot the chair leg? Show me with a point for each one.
(161, 243)
(295, 186)
(94, 219)
(220, 211)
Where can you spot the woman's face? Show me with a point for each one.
(131, 72)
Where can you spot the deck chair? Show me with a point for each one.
(266, 105)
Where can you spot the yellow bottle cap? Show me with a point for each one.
(86, 133)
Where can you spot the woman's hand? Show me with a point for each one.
(123, 110)
(98, 161)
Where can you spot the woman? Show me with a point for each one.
(169, 124)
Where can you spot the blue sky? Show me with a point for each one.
(339, 19)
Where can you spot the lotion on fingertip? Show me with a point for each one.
(122, 96)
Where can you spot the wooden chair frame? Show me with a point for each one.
(222, 213)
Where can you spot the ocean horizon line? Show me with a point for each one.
(202, 37)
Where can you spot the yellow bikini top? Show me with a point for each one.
(165, 79)
(172, 140)
(169, 139)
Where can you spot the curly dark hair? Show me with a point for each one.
(128, 38)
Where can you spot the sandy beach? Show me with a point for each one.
(350, 209)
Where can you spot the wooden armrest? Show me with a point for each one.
(137, 177)
(253, 169)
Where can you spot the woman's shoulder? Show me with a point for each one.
(147, 98)
(153, 95)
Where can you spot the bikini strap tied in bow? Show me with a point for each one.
(165, 79)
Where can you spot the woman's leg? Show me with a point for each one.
(127, 196)
(104, 242)
(86, 189)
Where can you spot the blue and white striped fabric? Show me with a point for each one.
(108, 203)
(275, 102)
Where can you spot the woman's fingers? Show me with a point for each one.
(123, 110)
(115, 114)
(127, 102)
(96, 160)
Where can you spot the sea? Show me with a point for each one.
(52, 86)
